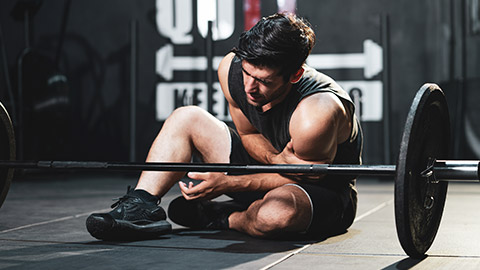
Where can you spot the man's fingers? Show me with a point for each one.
(195, 175)
(290, 145)
(189, 192)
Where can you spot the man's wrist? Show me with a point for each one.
(238, 183)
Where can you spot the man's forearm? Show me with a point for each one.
(257, 182)
(259, 147)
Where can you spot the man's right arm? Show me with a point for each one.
(255, 143)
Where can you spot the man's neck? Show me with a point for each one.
(276, 101)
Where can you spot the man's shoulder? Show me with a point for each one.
(223, 74)
(224, 65)
(317, 84)
(320, 102)
(316, 81)
(311, 73)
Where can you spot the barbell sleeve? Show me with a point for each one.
(457, 170)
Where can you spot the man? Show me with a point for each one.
(284, 112)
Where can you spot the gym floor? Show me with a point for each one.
(42, 226)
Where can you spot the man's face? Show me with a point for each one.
(263, 85)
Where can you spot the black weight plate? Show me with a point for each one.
(426, 135)
(7, 151)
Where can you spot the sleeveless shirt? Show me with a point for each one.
(274, 123)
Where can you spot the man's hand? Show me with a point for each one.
(212, 186)
(287, 156)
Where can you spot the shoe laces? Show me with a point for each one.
(123, 198)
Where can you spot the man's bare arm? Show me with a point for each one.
(314, 139)
(255, 143)
(317, 126)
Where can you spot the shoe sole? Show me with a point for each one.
(104, 227)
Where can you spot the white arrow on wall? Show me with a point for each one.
(371, 60)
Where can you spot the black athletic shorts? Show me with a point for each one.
(330, 215)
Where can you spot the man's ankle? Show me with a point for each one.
(145, 195)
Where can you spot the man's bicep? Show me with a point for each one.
(315, 127)
(315, 143)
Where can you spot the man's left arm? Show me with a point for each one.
(317, 126)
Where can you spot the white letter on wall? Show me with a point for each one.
(175, 22)
(223, 17)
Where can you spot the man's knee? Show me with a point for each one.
(270, 219)
(283, 210)
(187, 114)
(189, 119)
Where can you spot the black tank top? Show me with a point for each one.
(274, 123)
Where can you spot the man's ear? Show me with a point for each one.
(296, 77)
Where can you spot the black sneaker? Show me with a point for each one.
(135, 216)
(202, 214)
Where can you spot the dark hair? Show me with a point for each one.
(281, 41)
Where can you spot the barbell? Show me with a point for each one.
(421, 174)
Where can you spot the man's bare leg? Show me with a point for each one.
(192, 130)
(285, 209)
(187, 131)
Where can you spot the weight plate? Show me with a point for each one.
(7, 151)
(418, 202)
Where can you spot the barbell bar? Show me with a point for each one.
(444, 170)
(420, 179)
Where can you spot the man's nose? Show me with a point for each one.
(250, 84)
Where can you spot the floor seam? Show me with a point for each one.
(293, 253)
(52, 221)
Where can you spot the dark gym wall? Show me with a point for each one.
(425, 45)
(95, 58)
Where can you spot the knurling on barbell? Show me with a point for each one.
(421, 173)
